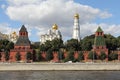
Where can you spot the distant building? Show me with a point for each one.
(22, 46)
(52, 34)
(76, 28)
(13, 37)
(3, 36)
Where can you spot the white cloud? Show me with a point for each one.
(42, 14)
(90, 28)
(4, 28)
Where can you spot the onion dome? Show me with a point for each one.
(55, 27)
(76, 16)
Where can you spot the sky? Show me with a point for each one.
(39, 15)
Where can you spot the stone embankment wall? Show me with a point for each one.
(59, 66)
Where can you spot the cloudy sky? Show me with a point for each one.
(39, 15)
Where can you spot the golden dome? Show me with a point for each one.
(55, 27)
(14, 33)
(76, 16)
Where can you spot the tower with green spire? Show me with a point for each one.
(99, 45)
(99, 41)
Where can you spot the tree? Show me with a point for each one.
(111, 42)
(87, 42)
(18, 56)
(42, 47)
(102, 56)
(29, 56)
(7, 55)
(80, 56)
(49, 55)
(113, 56)
(70, 56)
(9, 46)
(92, 55)
(38, 56)
(56, 44)
(73, 44)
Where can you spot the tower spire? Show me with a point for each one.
(76, 27)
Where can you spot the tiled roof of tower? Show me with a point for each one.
(23, 29)
(23, 41)
(99, 29)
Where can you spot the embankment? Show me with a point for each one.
(59, 66)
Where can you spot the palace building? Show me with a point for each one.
(52, 34)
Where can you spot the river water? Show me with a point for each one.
(60, 75)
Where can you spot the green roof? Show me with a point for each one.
(99, 41)
(99, 29)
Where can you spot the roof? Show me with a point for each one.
(23, 29)
(23, 41)
(99, 41)
(99, 29)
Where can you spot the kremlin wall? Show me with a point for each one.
(23, 52)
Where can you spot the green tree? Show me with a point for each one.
(6, 45)
(80, 56)
(87, 42)
(36, 45)
(7, 55)
(18, 56)
(70, 56)
(9, 46)
(92, 55)
(73, 44)
(102, 56)
(42, 47)
(38, 56)
(29, 56)
(113, 56)
(111, 42)
(56, 44)
(49, 55)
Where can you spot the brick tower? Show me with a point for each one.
(99, 43)
(22, 45)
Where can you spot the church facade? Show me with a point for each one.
(52, 34)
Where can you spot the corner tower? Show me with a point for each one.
(76, 27)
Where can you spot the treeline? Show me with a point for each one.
(112, 43)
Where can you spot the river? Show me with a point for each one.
(59, 75)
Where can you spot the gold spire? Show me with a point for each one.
(76, 16)
(55, 27)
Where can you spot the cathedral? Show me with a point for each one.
(52, 34)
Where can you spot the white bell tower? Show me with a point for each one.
(76, 27)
